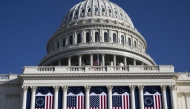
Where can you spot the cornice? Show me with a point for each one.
(93, 76)
(183, 83)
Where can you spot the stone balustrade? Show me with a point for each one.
(98, 69)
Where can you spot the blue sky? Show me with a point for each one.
(26, 26)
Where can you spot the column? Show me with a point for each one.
(91, 59)
(173, 96)
(32, 104)
(110, 87)
(103, 59)
(110, 36)
(164, 100)
(87, 97)
(59, 63)
(141, 100)
(74, 37)
(64, 100)
(83, 36)
(80, 56)
(114, 60)
(56, 90)
(91, 36)
(8, 101)
(24, 95)
(134, 61)
(132, 89)
(69, 61)
(125, 61)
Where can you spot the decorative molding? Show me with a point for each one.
(172, 87)
(33, 88)
(92, 76)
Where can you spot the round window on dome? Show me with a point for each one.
(89, 9)
(96, 9)
(103, 9)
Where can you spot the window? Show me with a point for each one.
(129, 41)
(96, 9)
(71, 40)
(58, 45)
(116, 12)
(110, 11)
(135, 44)
(83, 10)
(64, 42)
(121, 14)
(114, 38)
(103, 9)
(89, 9)
(87, 37)
(97, 38)
(79, 38)
(105, 37)
(76, 13)
(122, 39)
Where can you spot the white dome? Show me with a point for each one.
(97, 9)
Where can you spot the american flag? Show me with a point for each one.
(44, 98)
(152, 98)
(96, 62)
(121, 97)
(98, 98)
(75, 98)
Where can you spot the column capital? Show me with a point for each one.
(110, 87)
(132, 87)
(172, 87)
(65, 88)
(87, 88)
(33, 88)
(163, 87)
(140, 87)
(24, 88)
(56, 88)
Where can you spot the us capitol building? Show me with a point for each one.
(96, 60)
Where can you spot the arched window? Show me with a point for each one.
(96, 9)
(71, 40)
(58, 45)
(89, 9)
(87, 37)
(129, 41)
(114, 38)
(64, 42)
(135, 44)
(97, 38)
(79, 38)
(105, 37)
(122, 39)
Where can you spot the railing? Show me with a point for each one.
(4, 77)
(99, 69)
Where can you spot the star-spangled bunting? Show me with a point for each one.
(120, 97)
(152, 97)
(75, 98)
(98, 98)
(44, 98)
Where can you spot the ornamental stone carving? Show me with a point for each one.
(110, 87)
(140, 87)
(33, 88)
(87, 88)
(64, 88)
(173, 87)
(56, 88)
(132, 87)
(163, 87)
(24, 88)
